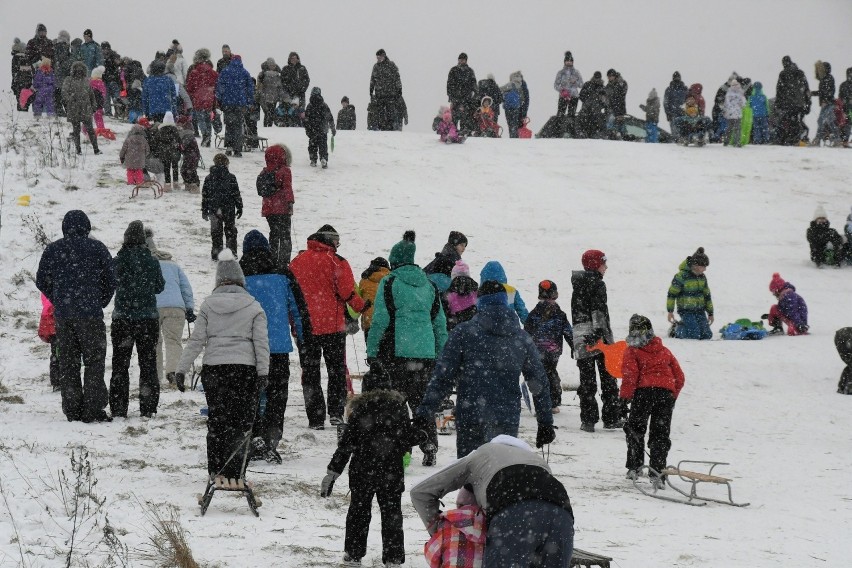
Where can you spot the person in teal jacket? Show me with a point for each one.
(407, 336)
(691, 293)
(493, 270)
(760, 113)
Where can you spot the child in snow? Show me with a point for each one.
(368, 287)
(735, 101)
(167, 148)
(134, 153)
(548, 325)
(493, 270)
(446, 128)
(460, 296)
(691, 293)
(47, 333)
(99, 87)
(346, 115)
(652, 117)
(760, 114)
(191, 155)
(485, 119)
(652, 382)
(791, 308)
(825, 242)
(278, 207)
(44, 85)
(377, 436)
(318, 120)
(459, 537)
(221, 204)
(847, 229)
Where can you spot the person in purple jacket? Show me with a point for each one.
(790, 309)
(44, 84)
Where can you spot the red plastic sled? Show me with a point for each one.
(24, 97)
(613, 356)
(523, 131)
(105, 133)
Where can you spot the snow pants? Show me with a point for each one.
(530, 533)
(231, 392)
(760, 130)
(410, 377)
(280, 241)
(270, 426)
(332, 348)
(224, 225)
(318, 144)
(82, 339)
(550, 362)
(613, 409)
(125, 334)
(655, 404)
(693, 325)
(389, 496)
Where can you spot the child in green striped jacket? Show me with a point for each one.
(691, 293)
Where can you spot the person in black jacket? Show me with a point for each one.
(616, 96)
(167, 148)
(445, 260)
(221, 204)
(825, 94)
(377, 436)
(295, 78)
(385, 90)
(488, 87)
(346, 115)
(22, 71)
(318, 119)
(590, 317)
(461, 92)
(592, 116)
(792, 101)
(825, 242)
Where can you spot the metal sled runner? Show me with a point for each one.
(219, 482)
(148, 184)
(691, 477)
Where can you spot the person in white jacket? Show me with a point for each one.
(231, 329)
(735, 101)
(568, 83)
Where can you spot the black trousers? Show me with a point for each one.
(567, 104)
(270, 426)
(231, 392)
(318, 144)
(332, 348)
(90, 130)
(82, 339)
(613, 408)
(385, 112)
(268, 113)
(550, 361)
(389, 496)
(55, 375)
(279, 239)
(410, 377)
(654, 404)
(170, 165)
(234, 119)
(225, 225)
(144, 334)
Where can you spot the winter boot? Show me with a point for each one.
(313, 165)
(176, 186)
(350, 562)
(618, 424)
(430, 458)
(170, 377)
(258, 449)
(193, 188)
(324, 164)
(587, 427)
(658, 482)
(167, 188)
(632, 474)
(272, 456)
(205, 141)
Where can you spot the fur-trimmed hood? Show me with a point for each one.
(381, 396)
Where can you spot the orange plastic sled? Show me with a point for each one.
(105, 132)
(613, 356)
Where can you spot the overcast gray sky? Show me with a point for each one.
(337, 40)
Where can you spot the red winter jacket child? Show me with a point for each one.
(278, 160)
(652, 365)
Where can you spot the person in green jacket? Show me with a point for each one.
(408, 332)
(135, 320)
(691, 293)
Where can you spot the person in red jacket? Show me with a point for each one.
(201, 86)
(328, 286)
(651, 383)
(278, 207)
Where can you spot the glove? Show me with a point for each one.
(262, 382)
(180, 381)
(205, 216)
(545, 435)
(764, 317)
(334, 132)
(371, 361)
(565, 94)
(239, 213)
(422, 423)
(190, 315)
(368, 303)
(328, 483)
(352, 327)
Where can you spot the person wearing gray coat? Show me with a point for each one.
(568, 83)
(231, 329)
(134, 152)
(530, 520)
(79, 101)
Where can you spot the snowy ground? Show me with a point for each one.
(769, 407)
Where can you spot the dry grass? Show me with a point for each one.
(167, 541)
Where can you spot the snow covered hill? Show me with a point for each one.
(767, 407)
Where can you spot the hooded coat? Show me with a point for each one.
(235, 87)
(793, 307)
(616, 93)
(369, 287)
(77, 95)
(589, 312)
(39, 47)
(845, 92)
(269, 85)
(819, 236)
(673, 99)
(201, 86)
(493, 270)
(695, 90)
(652, 107)
(139, 281)
(568, 79)
(221, 191)
(76, 272)
(135, 149)
(651, 365)
(91, 54)
(758, 103)
(295, 78)
(385, 82)
(825, 90)
(278, 160)
(792, 91)
(158, 92)
(735, 102)
(461, 84)
(318, 118)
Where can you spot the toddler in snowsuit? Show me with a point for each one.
(548, 325)
(652, 116)
(652, 382)
(446, 128)
(44, 85)
(368, 288)
(460, 296)
(376, 437)
(134, 152)
(191, 155)
(691, 293)
(791, 308)
(825, 242)
(167, 148)
(318, 120)
(99, 87)
(221, 204)
(760, 115)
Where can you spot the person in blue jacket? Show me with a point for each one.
(234, 94)
(274, 293)
(485, 358)
(760, 113)
(77, 276)
(90, 52)
(493, 270)
(158, 93)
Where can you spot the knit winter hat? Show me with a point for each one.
(569, 57)
(819, 213)
(18, 46)
(676, 76)
(152, 246)
(492, 293)
(640, 331)
(457, 238)
(316, 91)
(403, 251)
(64, 36)
(459, 269)
(462, 55)
(98, 72)
(326, 235)
(87, 32)
(653, 95)
(593, 259)
(255, 240)
(168, 118)
(597, 75)
(228, 270)
(41, 28)
(344, 99)
(777, 283)
(698, 258)
(375, 265)
(134, 235)
(547, 290)
(381, 52)
(143, 122)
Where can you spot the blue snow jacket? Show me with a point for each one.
(757, 102)
(235, 87)
(178, 290)
(493, 270)
(273, 293)
(485, 357)
(75, 272)
(158, 95)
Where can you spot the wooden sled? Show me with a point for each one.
(152, 184)
(691, 477)
(220, 483)
(587, 559)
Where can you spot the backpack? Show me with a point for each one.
(266, 184)
(512, 99)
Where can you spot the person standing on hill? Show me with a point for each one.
(318, 119)
(79, 101)
(568, 83)
(278, 207)
(295, 79)
(673, 100)
(385, 89)
(234, 94)
(461, 92)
